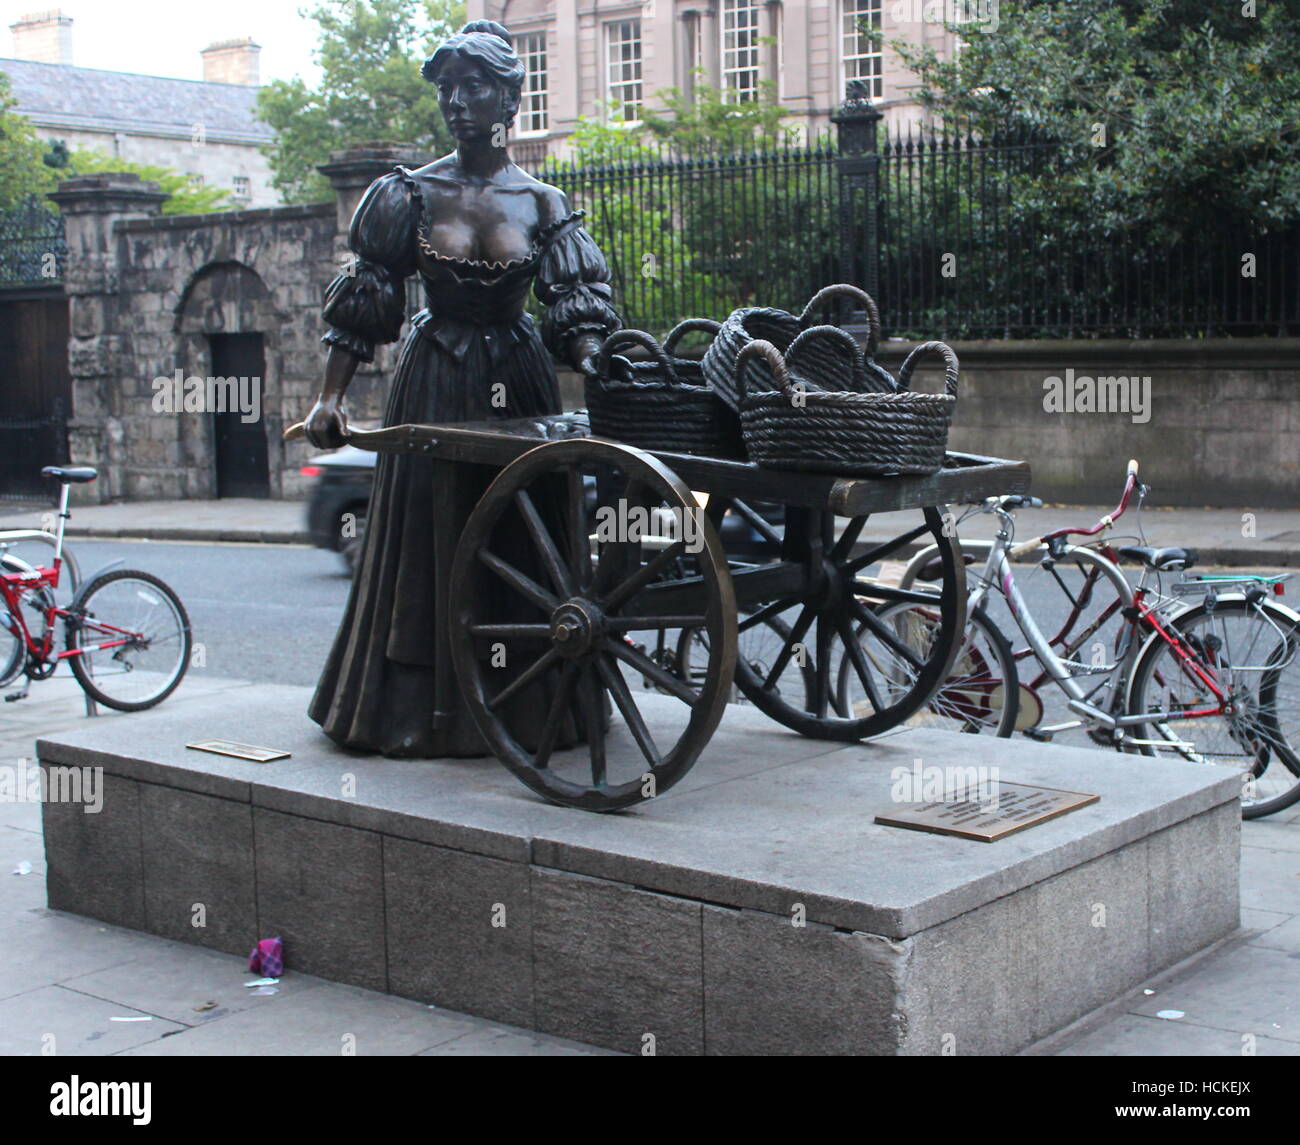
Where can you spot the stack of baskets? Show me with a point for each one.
(776, 388)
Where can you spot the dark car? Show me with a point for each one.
(336, 511)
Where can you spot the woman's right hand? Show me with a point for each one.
(327, 424)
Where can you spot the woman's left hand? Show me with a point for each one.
(583, 351)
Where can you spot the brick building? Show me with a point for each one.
(583, 52)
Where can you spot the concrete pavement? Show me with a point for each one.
(97, 989)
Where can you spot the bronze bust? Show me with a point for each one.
(479, 232)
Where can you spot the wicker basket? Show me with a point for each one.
(799, 426)
(780, 328)
(662, 403)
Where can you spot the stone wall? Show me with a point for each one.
(1221, 424)
(146, 294)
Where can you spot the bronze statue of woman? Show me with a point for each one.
(479, 232)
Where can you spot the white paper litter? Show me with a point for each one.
(263, 982)
(144, 1019)
(1170, 1015)
(23, 868)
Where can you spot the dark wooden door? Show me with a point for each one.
(35, 388)
(241, 452)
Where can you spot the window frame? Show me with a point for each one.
(614, 67)
(525, 51)
(875, 79)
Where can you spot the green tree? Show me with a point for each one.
(189, 194)
(23, 172)
(1172, 114)
(370, 53)
(704, 206)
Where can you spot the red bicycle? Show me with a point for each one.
(126, 634)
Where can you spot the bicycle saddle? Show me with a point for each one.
(75, 474)
(1160, 560)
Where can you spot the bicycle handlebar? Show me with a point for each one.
(1130, 483)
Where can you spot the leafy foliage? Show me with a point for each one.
(189, 194)
(1170, 114)
(370, 52)
(703, 210)
(23, 172)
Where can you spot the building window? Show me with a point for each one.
(862, 56)
(623, 61)
(532, 106)
(243, 188)
(740, 50)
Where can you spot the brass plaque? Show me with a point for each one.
(239, 750)
(1012, 808)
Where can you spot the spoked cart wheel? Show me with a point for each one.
(832, 618)
(549, 626)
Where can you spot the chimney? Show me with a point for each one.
(232, 61)
(43, 37)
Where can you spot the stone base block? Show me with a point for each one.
(754, 909)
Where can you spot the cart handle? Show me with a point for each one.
(858, 295)
(707, 325)
(950, 365)
(639, 338)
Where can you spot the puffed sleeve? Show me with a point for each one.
(367, 304)
(573, 282)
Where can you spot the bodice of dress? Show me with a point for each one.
(465, 298)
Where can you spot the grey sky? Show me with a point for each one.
(164, 37)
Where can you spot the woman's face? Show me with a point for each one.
(472, 104)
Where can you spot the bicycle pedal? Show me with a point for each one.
(14, 697)
(1039, 736)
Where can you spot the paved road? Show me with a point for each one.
(269, 612)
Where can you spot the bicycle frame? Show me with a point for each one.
(30, 579)
(998, 571)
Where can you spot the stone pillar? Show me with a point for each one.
(350, 172)
(771, 30)
(712, 41)
(92, 206)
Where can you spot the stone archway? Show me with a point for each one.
(226, 326)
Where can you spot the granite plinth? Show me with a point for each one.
(754, 908)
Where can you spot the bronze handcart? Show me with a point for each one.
(537, 607)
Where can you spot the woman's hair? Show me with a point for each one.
(487, 44)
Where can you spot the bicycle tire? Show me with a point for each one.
(75, 630)
(1281, 740)
(1003, 654)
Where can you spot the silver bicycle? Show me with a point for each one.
(1209, 671)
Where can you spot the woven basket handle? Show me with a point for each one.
(950, 366)
(707, 325)
(835, 334)
(638, 338)
(769, 353)
(861, 297)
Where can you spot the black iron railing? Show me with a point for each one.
(32, 247)
(967, 243)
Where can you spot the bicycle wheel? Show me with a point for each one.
(132, 638)
(980, 695)
(1078, 604)
(758, 646)
(1252, 651)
